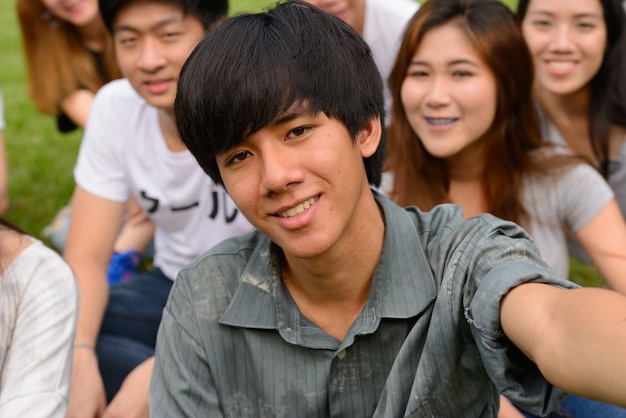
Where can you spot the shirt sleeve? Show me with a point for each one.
(493, 257)
(182, 384)
(583, 193)
(99, 169)
(36, 375)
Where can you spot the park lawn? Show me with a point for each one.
(41, 159)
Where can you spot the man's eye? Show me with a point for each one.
(127, 41)
(298, 132)
(238, 157)
(170, 36)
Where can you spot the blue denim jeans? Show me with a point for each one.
(129, 328)
(576, 407)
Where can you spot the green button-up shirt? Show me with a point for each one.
(428, 342)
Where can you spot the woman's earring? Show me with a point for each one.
(50, 19)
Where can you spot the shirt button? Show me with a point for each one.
(341, 354)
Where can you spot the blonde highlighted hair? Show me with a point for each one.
(58, 64)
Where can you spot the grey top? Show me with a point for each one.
(616, 180)
(428, 342)
(561, 203)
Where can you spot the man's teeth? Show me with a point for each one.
(440, 121)
(297, 210)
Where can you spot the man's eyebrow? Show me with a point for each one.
(292, 113)
(286, 117)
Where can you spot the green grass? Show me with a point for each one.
(41, 159)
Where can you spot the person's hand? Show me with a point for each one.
(87, 396)
(133, 214)
(507, 410)
(132, 398)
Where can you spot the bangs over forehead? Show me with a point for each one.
(257, 68)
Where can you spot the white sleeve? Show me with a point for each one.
(100, 166)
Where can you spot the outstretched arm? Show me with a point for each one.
(576, 337)
(604, 239)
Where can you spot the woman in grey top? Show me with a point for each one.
(578, 54)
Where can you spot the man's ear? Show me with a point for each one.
(368, 138)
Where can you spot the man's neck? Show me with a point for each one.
(332, 289)
(167, 123)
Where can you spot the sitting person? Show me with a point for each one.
(579, 51)
(38, 311)
(131, 147)
(69, 55)
(343, 303)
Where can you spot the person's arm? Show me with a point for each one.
(576, 337)
(138, 229)
(604, 239)
(132, 398)
(93, 227)
(507, 410)
(77, 106)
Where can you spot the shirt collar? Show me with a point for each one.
(403, 285)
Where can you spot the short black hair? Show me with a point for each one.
(255, 67)
(207, 11)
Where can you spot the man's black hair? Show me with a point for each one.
(207, 11)
(253, 68)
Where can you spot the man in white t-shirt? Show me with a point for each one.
(380, 22)
(132, 147)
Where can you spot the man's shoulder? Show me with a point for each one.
(228, 258)
(118, 91)
(208, 284)
(119, 108)
(444, 228)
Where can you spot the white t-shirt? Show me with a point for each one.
(383, 29)
(124, 152)
(38, 311)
